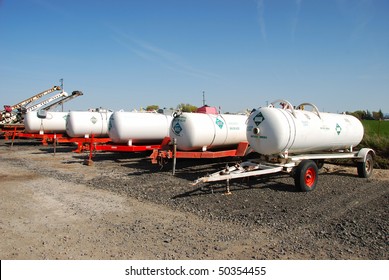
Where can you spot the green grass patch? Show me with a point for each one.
(376, 128)
(377, 137)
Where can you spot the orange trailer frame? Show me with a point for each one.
(169, 151)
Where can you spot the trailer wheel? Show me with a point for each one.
(306, 176)
(365, 168)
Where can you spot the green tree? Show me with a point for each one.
(378, 115)
(152, 108)
(381, 115)
(186, 107)
(358, 114)
(369, 115)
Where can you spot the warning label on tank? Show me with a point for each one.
(258, 118)
(338, 129)
(93, 120)
(177, 128)
(219, 123)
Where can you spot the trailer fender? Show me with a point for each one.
(362, 154)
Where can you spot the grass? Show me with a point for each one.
(377, 137)
(376, 128)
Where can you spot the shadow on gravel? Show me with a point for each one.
(265, 182)
(23, 143)
(41, 149)
(116, 156)
(192, 169)
(51, 150)
(188, 169)
(342, 173)
(122, 158)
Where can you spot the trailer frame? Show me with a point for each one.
(303, 167)
(96, 145)
(168, 150)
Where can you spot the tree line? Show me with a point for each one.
(182, 106)
(367, 115)
(360, 114)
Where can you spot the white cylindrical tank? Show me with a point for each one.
(88, 123)
(138, 127)
(197, 131)
(54, 122)
(286, 130)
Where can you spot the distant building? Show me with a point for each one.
(207, 110)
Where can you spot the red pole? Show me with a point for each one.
(90, 149)
(13, 137)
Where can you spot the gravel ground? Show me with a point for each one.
(123, 207)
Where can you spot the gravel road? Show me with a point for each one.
(123, 207)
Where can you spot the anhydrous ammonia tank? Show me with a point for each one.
(88, 123)
(272, 130)
(138, 127)
(53, 122)
(197, 131)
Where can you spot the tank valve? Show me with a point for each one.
(256, 130)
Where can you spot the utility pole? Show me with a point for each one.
(203, 98)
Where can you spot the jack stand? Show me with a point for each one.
(88, 162)
(161, 162)
(55, 144)
(228, 192)
(13, 138)
(174, 155)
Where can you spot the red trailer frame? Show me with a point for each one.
(169, 151)
(46, 138)
(9, 130)
(95, 144)
(54, 138)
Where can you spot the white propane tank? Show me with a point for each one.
(291, 130)
(86, 123)
(138, 127)
(198, 131)
(52, 122)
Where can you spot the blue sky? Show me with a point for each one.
(241, 53)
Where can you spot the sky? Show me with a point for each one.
(242, 54)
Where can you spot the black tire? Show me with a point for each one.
(365, 168)
(306, 176)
